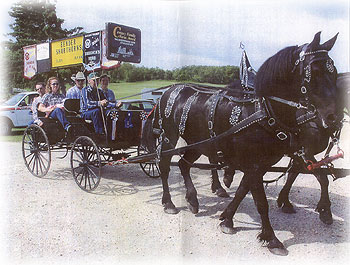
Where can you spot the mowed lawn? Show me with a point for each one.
(124, 89)
(121, 90)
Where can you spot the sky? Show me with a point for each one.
(199, 32)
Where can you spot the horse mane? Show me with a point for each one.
(275, 72)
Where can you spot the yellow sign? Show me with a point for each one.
(67, 52)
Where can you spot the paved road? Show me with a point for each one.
(51, 221)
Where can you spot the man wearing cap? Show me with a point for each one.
(91, 101)
(109, 94)
(75, 91)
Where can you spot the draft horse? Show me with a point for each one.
(250, 134)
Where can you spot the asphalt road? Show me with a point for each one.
(51, 221)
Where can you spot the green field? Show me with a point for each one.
(124, 89)
(121, 90)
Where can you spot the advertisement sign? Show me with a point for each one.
(123, 43)
(107, 64)
(67, 52)
(43, 57)
(30, 66)
(92, 51)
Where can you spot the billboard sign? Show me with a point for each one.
(105, 63)
(67, 51)
(30, 65)
(123, 43)
(43, 57)
(92, 51)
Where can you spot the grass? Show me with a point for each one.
(16, 136)
(121, 89)
(124, 89)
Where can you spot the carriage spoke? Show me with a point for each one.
(34, 163)
(30, 161)
(79, 156)
(30, 154)
(41, 164)
(42, 156)
(93, 173)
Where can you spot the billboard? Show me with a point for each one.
(123, 43)
(67, 52)
(43, 57)
(92, 51)
(107, 64)
(30, 65)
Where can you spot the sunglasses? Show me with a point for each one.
(54, 84)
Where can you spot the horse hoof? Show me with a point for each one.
(222, 193)
(193, 209)
(277, 248)
(279, 251)
(227, 227)
(170, 209)
(326, 217)
(288, 209)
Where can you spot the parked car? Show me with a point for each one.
(139, 104)
(154, 94)
(16, 112)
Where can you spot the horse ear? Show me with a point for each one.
(328, 45)
(316, 41)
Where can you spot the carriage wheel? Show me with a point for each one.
(86, 163)
(151, 167)
(36, 150)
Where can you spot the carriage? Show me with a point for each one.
(88, 152)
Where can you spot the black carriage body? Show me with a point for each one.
(89, 151)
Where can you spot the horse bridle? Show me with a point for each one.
(305, 73)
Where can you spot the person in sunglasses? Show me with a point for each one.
(52, 103)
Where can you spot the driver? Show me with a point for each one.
(91, 101)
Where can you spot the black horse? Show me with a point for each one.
(250, 133)
(315, 145)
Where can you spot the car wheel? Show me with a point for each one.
(5, 127)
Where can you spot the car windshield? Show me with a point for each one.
(13, 101)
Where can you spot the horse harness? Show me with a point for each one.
(262, 114)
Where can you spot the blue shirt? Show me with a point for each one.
(90, 99)
(74, 93)
(109, 94)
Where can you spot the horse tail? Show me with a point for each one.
(149, 135)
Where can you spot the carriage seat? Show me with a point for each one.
(72, 107)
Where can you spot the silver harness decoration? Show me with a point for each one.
(330, 65)
(236, 111)
(171, 100)
(185, 112)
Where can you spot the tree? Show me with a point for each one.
(35, 22)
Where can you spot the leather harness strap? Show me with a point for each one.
(214, 102)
